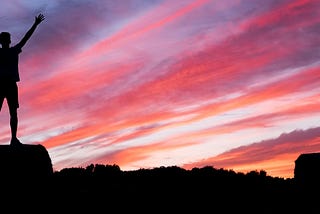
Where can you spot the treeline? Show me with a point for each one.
(168, 174)
(100, 175)
(171, 179)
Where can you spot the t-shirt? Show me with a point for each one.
(9, 60)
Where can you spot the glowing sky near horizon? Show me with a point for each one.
(233, 84)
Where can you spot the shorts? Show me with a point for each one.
(9, 91)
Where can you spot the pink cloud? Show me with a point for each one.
(264, 155)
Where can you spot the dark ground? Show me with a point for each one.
(107, 189)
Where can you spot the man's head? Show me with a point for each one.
(5, 38)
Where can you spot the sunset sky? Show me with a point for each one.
(232, 84)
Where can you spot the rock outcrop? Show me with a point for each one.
(25, 161)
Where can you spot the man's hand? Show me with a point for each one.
(38, 19)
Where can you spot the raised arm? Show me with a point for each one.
(37, 20)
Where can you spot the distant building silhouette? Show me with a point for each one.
(307, 169)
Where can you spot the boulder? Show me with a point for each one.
(25, 161)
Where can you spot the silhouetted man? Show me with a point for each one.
(9, 74)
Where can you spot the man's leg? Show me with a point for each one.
(14, 126)
(13, 123)
(13, 103)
